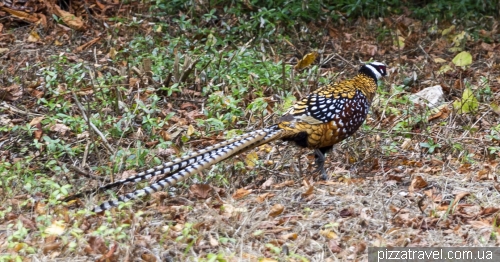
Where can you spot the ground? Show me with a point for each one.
(157, 86)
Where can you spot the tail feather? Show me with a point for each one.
(175, 165)
(187, 167)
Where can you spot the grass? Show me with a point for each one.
(165, 83)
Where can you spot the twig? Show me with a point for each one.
(19, 111)
(343, 59)
(86, 153)
(82, 172)
(104, 141)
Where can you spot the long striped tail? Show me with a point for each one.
(182, 168)
(166, 168)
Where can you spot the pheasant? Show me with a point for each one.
(320, 120)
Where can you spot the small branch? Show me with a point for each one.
(82, 172)
(104, 141)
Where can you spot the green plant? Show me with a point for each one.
(430, 145)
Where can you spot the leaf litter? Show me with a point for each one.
(407, 196)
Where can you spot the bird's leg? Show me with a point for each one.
(320, 163)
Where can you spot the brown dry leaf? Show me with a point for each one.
(334, 246)
(439, 60)
(291, 236)
(60, 128)
(276, 210)
(69, 19)
(148, 257)
(417, 183)
(36, 120)
(395, 178)
(38, 131)
(347, 212)
(369, 49)
(309, 191)
(40, 208)
(479, 224)
(482, 174)
(31, 18)
(34, 37)
(28, 223)
(488, 211)
(263, 197)
(306, 61)
(186, 105)
(200, 190)
(50, 247)
(441, 114)
(269, 182)
(284, 184)
(328, 234)
(459, 197)
(10, 93)
(88, 44)
(241, 193)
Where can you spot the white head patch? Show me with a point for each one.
(377, 74)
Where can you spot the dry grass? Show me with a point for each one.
(374, 197)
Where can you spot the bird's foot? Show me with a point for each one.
(320, 164)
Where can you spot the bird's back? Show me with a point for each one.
(331, 113)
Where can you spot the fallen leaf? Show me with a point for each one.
(417, 183)
(68, 18)
(88, 44)
(33, 37)
(439, 60)
(306, 61)
(56, 228)
(459, 197)
(347, 212)
(495, 107)
(328, 234)
(308, 192)
(481, 174)
(276, 210)
(444, 69)
(488, 211)
(36, 120)
(284, 184)
(112, 53)
(448, 30)
(443, 113)
(31, 18)
(200, 190)
(251, 159)
(38, 131)
(10, 93)
(60, 128)
(468, 103)
(334, 246)
(267, 260)
(190, 130)
(241, 193)
(263, 197)
(463, 58)
(479, 224)
(290, 236)
(269, 182)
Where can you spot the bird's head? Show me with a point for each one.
(375, 70)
